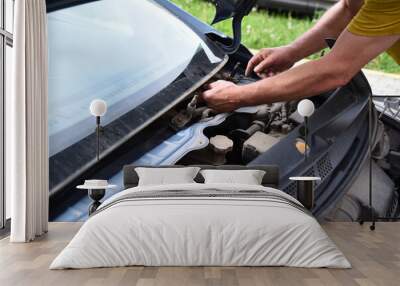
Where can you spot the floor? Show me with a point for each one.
(375, 257)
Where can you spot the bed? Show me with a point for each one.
(201, 224)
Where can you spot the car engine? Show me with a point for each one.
(244, 134)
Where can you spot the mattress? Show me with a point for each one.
(201, 225)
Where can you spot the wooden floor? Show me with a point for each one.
(375, 257)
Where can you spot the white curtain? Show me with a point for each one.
(26, 119)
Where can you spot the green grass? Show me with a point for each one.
(263, 29)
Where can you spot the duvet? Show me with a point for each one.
(203, 225)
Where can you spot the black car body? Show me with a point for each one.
(150, 133)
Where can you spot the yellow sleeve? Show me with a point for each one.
(378, 18)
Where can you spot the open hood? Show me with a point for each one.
(236, 9)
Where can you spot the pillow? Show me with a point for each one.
(244, 177)
(166, 176)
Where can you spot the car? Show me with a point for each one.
(149, 60)
(307, 7)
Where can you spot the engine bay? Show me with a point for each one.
(244, 134)
(249, 132)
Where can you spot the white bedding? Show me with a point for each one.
(201, 231)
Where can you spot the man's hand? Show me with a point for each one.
(222, 96)
(271, 61)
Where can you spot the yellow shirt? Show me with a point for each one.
(379, 18)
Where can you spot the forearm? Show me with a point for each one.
(333, 70)
(299, 82)
(331, 24)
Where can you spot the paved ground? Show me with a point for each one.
(383, 83)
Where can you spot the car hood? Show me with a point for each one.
(237, 10)
(226, 9)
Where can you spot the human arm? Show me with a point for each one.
(270, 61)
(350, 53)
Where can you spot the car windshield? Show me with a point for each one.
(124, 52)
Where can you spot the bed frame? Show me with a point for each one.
(271, 177)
